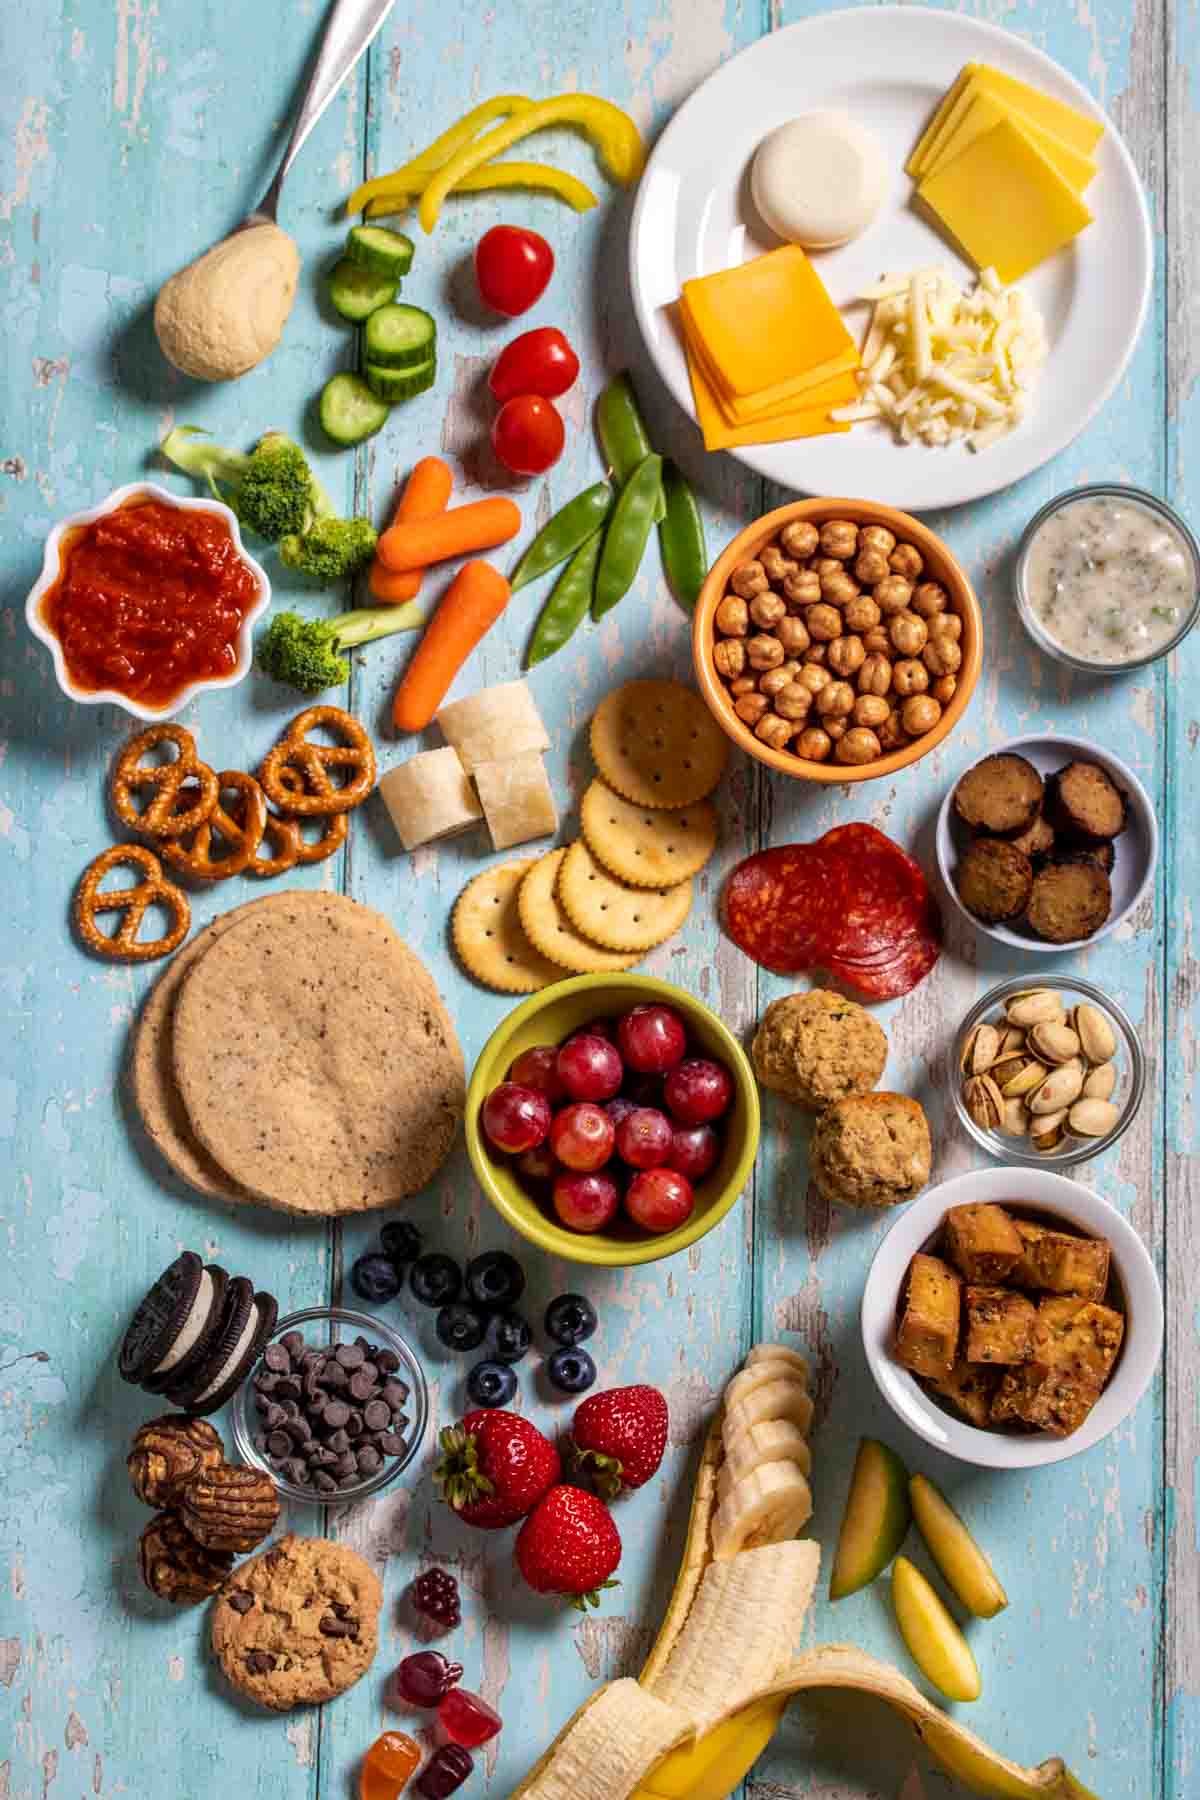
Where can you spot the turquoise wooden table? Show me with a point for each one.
(134, 134)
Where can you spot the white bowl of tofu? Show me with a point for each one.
(1012, 1318)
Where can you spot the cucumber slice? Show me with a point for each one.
(376, 247)
(400, 337)
(391, 385)
(356, 292)
(350, 412)
(875, 1521)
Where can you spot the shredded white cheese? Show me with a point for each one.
(942, 364)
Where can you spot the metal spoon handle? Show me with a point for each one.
(352, 24)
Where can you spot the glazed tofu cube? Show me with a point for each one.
(1058, 1262)
(1078, 1338)
(982, 1242)
(927, 1337)
(1012, 1396)
(1000, 1326)
(969, 1390)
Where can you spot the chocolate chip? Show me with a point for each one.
(331, 1626)
(334, 1377)
(293, 1343)
(395, 1393)
(347, 1481)
(319, 1457)
(339, 1441)
(362, 1385)
(274, 1416)
(263, 1403)
(295, 1470)
(279, 1443)
(387, 1362)
(260, 1662)
(369, 1460)
(371, 1371)
(287, 1387)
(299, 1430)
(260, 1442)
(377, 1415)
(391, 1443)
(240, 1600)
(354, 1424)
(347, 1463)
(290, 1410)
(316, 1407)
(364, 1344)
(324, 1484)
(336, 1415)
(351, 1356)
(277, 1358)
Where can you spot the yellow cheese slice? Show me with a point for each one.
(766, 323)
(982, 111)
(812, 421)
(1078, 130)
(916, 162)
(1006, 205)
(808, 390)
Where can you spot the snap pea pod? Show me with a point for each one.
(681, 538)
(627, 534)
(623, 436)
(560, 537)
(567, 606)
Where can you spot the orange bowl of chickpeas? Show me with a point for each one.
(837, 640)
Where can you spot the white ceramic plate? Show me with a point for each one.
(1135, 851)
(888, 66)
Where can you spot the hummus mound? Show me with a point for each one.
(225, 312)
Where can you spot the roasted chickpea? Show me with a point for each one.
(858, 746)
(835, 729)
(817, 653)
(906, 560)
(814, 743)
(729, 658)
(748, 579)
(835, 700)
(793, 635)
(732, 616)
(891, 734)
(871, 566)
(875, 674)
(846, 655)
(764, 652)
(773, 730)
(876, 642)
(767, 609)
(930, 597)
(826, 565)
(920, 714)
(751, 707)
(824, 623)
(909, 634)
(800, 538)
(774, 681)
(942, 656)
(861, 613)
(877, 537)
(803, 588)
(813, 677)
(840, 589)
(792, 668)
(946, 625)
(892, 594)
(777, 565)
(794, 701)
(839, 537)
(745, 684)
(910, 677)
(870, 710)
(944, 689)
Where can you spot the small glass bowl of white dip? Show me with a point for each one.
(1107, 578)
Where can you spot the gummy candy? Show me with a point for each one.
(445, 1771)
(426, 1678)
(467, 1719)
(387, 1766)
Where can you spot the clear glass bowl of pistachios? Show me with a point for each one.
(1047, 1075)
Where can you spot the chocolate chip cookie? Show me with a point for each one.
(298, 1624)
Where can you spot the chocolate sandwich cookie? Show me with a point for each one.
(186, 1357)
(168, 1320)
(246, 1323)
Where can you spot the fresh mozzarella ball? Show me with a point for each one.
(818, 180)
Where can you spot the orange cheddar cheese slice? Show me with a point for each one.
(812, 389)
(768, 327)
(807, 421)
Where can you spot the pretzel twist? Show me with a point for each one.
(159, 818)
(239, 828)
(320, 796)
(124, 945)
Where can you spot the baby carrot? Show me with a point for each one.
(469, 608)
(426, 493)
(481, 525)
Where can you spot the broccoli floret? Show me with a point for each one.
(330, 549)
(272, 490)
(303, 653)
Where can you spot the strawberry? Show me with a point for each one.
(569, 1545)
(494, 1467)
(620, 1437)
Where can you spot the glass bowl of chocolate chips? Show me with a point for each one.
(334, 1409)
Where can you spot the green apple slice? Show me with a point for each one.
(936, 1645)
(955, 1551)
(875, 1521)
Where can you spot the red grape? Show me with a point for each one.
(659, 1199)
(535, 1068)
(651, 1038)
(602, 1027)
(694, 1150)
(515, 1118)
(585, 1202)
(698, 1090)
(589, 1067)
(539, 1164)
(619, 1109)
(644, 1138)
(582, 1136)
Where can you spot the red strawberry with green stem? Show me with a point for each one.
(620, 1437)
(569, 1545)
(494, 1467)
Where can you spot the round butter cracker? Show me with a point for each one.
(549, 929)
(610, 912)
(657, 743)
(647, 847)
(489, 937)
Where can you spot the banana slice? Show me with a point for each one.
(771, 1440)
(757, 1375)
(779, 1353)
(774, 1400)
(766, 1507)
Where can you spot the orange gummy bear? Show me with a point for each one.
(387, 1766)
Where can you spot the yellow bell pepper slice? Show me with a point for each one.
(613, 133)
(441, 150)
(540, 176)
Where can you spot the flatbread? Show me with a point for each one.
(315, 1059)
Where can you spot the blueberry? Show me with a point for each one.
(571, 1369)
(495, 1280)
(570, 1319)
(491, 1384)
(401, 1241)
(374, 1277)
(460, 1327)
(435, 1279)
(508, 1337)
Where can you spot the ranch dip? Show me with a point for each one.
(1109, 579)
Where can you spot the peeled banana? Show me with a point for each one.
(605, 1749)
(768, 1506)
(771, 1440)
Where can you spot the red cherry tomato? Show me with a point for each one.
(512, 267)
(528, 434)
(537, 362)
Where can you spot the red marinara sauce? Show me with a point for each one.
(149, 599)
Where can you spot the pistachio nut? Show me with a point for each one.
(1093, 1118)
(1024, 1080)
(984, 1102)
(1096, 1035)
(1012, 1040)
(980, 1050)
(1100, 1083)
(1034, 1006)
(1059, 1089)
(1053, 1044)
(1047, 1133)
(1015, 1118)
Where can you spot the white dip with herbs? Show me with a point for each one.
(1108, 579)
